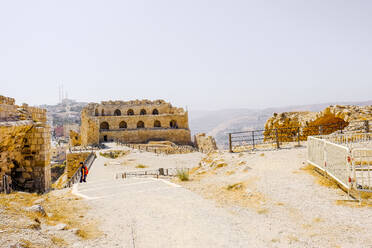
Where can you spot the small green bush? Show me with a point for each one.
(183, 175)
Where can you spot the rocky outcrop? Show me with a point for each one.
(205, 143)
(331, 119)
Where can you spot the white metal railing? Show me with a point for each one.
(347, 158)
(330, 158)
(362, 169)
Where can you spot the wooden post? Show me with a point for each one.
(253, 139)
(298, 136)
(161, 171)
(366, 126)
(230, 143)
(277, 138)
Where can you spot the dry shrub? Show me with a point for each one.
(141, 166)
(235, 186)
(317, 220)
(194, 170)
(59, 241)
(262, 154)
(114, 154)
(183, 175)
(229, 173)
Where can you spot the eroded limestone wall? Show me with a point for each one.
(332, 118)
(24, 146)
(75, 139)
(205, 143)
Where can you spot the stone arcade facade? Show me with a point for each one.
(134, 122)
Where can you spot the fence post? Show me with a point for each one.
(298, 136)
(366, 126)
(253, 138)
(277, 138)
(230, 143)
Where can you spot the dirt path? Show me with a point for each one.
(282, 206)
(156, 213)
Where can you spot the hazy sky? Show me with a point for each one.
(201, 54)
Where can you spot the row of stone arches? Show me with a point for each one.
(123, 125)
(117, 112)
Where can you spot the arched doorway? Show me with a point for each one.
(123, 125)
(96, 112)
(117, 112)
(103, 112)
(173, 124)
(155, 112)
(140, 124)
(104, 126)
(157, 123)
(143, 112)
(130, 112)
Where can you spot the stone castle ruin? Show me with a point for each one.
(332, 118)
(24, 147)
(136, 122)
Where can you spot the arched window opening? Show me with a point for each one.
(123, 125)
(173, 124)
(130, 112)
(103, 112)
(117, 112)
(157, 124)
(143, 112)
(155, 112)
(140, 124)
(104, 126)
(96, 112)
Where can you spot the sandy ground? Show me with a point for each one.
(281, 205)
(261, 199)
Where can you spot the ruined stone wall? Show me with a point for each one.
(24, 146)
(89, 129)
(73, 162)
(142, 136)
(205, 143)
(118, 120)
(349, 118)
(75, 139)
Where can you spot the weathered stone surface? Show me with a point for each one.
(24, 145)
(205, 143)
(348, 117)
(37, 209)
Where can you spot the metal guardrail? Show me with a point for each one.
(347, 158)
(287, 136)
(76, 177)
(167, 172)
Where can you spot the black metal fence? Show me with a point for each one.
(288, 137)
